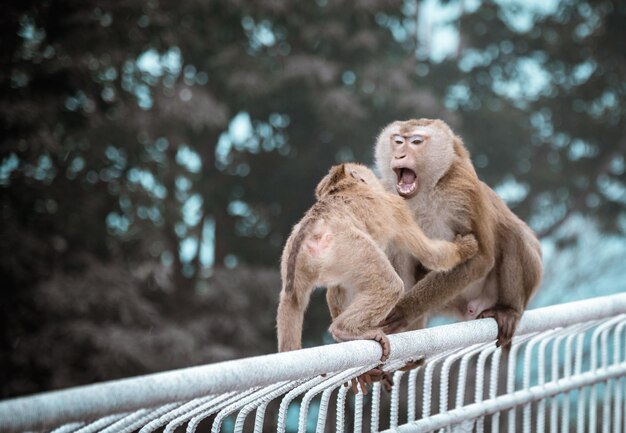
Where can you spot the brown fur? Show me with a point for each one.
(340, 244)
(450, 199)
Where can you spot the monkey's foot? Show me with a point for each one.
(410, 365)
(507, 319)
(366, 379)
(382, 339)
(376, 335)
(384, 377)
(387, 377)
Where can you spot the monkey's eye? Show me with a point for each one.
(398, 139)
(417, 139)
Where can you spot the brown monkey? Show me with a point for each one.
(424, 162)
(340, 244)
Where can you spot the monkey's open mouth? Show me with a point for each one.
(407, 182)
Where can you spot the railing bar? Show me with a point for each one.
(323, 412)
(617, 401)
(599, 332)
(606, 403)
(465, 356)
(412, 394)
(395, 399)
(527, 374)
(332, 381)
(503, 402)
(101, 423)
(445, 373)
(358, 412)
(480, 378)
(254, 400)
(554, 407)
(192, 425)
(260, 417)
(148, 417)
(341, 406)
(567, 368)
(557, 336)
(511, 370)
(428, 381)
(251, 398)
(209, 402)
(617, 408)
(582, 394)
(128, 420)
(375, 407)
(480, 370)
(68, 428)
(593, 392)
(624, 411)
(176, 412)
(288, 398)
(554, 402)
(606, 414)
(493, 387)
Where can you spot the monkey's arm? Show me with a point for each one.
(435, 289)
(434, 254)
(440, 255)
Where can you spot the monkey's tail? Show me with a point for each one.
(293, 254)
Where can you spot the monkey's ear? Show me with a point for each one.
(355, 174)
(335, 174)
(459, 148)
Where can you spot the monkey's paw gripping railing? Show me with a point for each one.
(566, 371)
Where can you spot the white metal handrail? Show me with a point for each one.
(566, 369)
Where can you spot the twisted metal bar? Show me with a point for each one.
(261, 400)
(100, 424)
(182, 418)
(68, 428)
(172, 414)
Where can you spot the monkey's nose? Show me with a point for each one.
(400, 156)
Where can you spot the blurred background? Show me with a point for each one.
(155, 154)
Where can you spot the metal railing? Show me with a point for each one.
(565, 372)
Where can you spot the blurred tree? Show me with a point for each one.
(549, 84)
(174, 124)
(192, 134)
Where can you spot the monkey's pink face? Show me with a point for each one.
(405, 154)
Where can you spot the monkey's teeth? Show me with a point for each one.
(406, 189)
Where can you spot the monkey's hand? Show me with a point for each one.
(507, 319)
(395, 321)
(467, 246)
